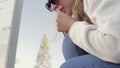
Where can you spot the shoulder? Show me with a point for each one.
(90, 6)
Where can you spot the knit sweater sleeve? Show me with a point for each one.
(103, 38)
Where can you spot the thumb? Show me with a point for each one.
(59, 13)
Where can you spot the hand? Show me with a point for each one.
(64, 21)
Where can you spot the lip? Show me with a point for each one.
(62, 9)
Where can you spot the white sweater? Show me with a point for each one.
(103, 38)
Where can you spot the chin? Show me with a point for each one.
(69, 13)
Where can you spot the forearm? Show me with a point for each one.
(94, 41)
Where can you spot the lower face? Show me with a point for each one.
(67, 6)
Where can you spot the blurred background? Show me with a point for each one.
(36, 21)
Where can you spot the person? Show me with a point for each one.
(92, 40)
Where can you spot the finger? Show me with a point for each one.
(58, 11)
(58, 27)
(59, 14)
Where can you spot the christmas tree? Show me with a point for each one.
(43, 57)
